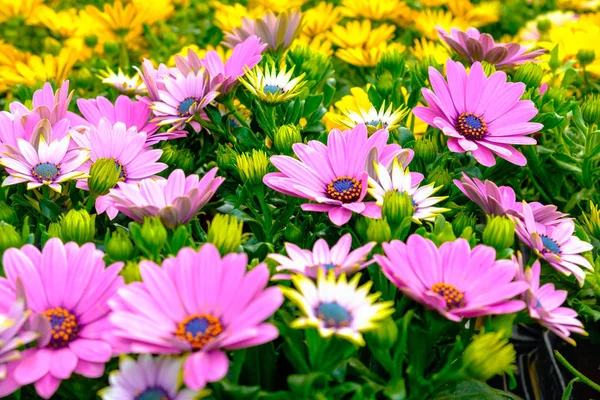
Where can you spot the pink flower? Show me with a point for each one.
(339, 258)
(127, 147)
(154, 78)
(453, 280)
(475, 46)
(335, 175)
(175, 200)
(555, 243)
(479, 114)
(275, 31)
(198, 304)
(70, 285)
(543, 304)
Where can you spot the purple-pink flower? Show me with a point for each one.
(198, 304)
(483, 115)
(544, 304)
(308, 263)
(475, 46)
(333, 175)
(454, 280)
(70, 286)
(555, 243)
(276, 31)
(175, 200)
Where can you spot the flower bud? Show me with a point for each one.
(154, 233)
(426, 151)
(393, 62)
(119, 246)
(487, 355)
(104, 175)
(488, 68)
(91, 41)
(226, 157)
(499, 232)
(9, 237)
(111, 48)
(226, 233)
(590, 110)
(463, 220)
(378, 230)
(530, 74)
(54, 230)
(252, 167)
(292, 233)
(544, 25)
(385, 336)
(586, 56)
(396, 207)
(362, 224)
(285, 137)
(440, 177)
(385, 84)
(131, 272)
(8, 214)
(51, 45)
(591, 220)
(85, 79)
(78, 226)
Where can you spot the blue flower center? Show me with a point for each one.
(46, 171)
(122, 173)
(333, 314)
(329, 267)
(376, 123)
(471, 126)
(153, 394)
(197, 326)
(199, 329)
(550, 246)
(345, 189)
(184, 107)
(63, 327)
(273, 89)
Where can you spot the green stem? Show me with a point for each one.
(231, 107)
(575, 372)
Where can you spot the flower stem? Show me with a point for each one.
(574, 371)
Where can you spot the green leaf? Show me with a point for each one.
(304, 385)
(312, 103)
(469, 390)
(246, 139)
(49, 209)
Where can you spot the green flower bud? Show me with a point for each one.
(530, 74)
(202, 8)
(487, 355)
(226, 157)
(226, 233)
(292, 233)
(54, 230)
(393, 62)
(154, 233)
(488, 68)
(8, 214)
(440, 177)
(104, 175)
(378, 231)
(252, 166)
(85, 78)
(77, 226)
(396, 207)
(362, 224)
(385, 336)
(590, 110)
(463, 220)
(285, 137)
(544, 25)
(119, 246)
(385, 84)
(51, 45)
(586, 56)
(91, 41)
(131, 272)
(426, 151)
(499, 232)
(591, 221)
(9, 237)
(111, 48)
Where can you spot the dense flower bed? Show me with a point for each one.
(355, 199)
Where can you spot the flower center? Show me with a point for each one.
(152, 394)
(273, 89)
(454, 297)
(123, 173)
(376, 123)
(184, 107)
(334, 315)
(329, 267)
(63, 327)
(471, 126)
(550, 245)
(199, 329)
(345, 189)
(46, 171)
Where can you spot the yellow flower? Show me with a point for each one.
(123, 83)
(227, 17)
(24, 8)
(318, 44)
(426, 21)
(65, 22)
(277, 6)
(40, 69)
(271, 86)
(320, 19)
(427, 48)
(223, 52)
(377, 10)
(367, 57)
(477, 15)
(360, 34)
(433, 3)
(580, 5)
(10, 55)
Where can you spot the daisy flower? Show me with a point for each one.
(544, 304)
(475, 46)
(70, 286)
(123, 83)
(182, 99)
(336, 307)
(48, 165)
(479, 114)
(271, 86)
(154, 79)
(338, 259)
(333, 175)
(175, 200)
(400, 179)
(455, 280)
(147, 378)
(198, 304)
(384, 118)
(276, 31)
(555, 243)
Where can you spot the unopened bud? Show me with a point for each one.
(285, 137)
(487, 355)
(252, 167)
(590, 110)
(396, 207)
(104, 175)
(9, 237)
(131, 272)
(154, 233)
(378, 230)
(499, 232)
(530, 74)
(426, 150)
(226, 233)
(586, 56)
(78, 226)
(119, 246)
(463, 220)
(111, 48)
(7, 214)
